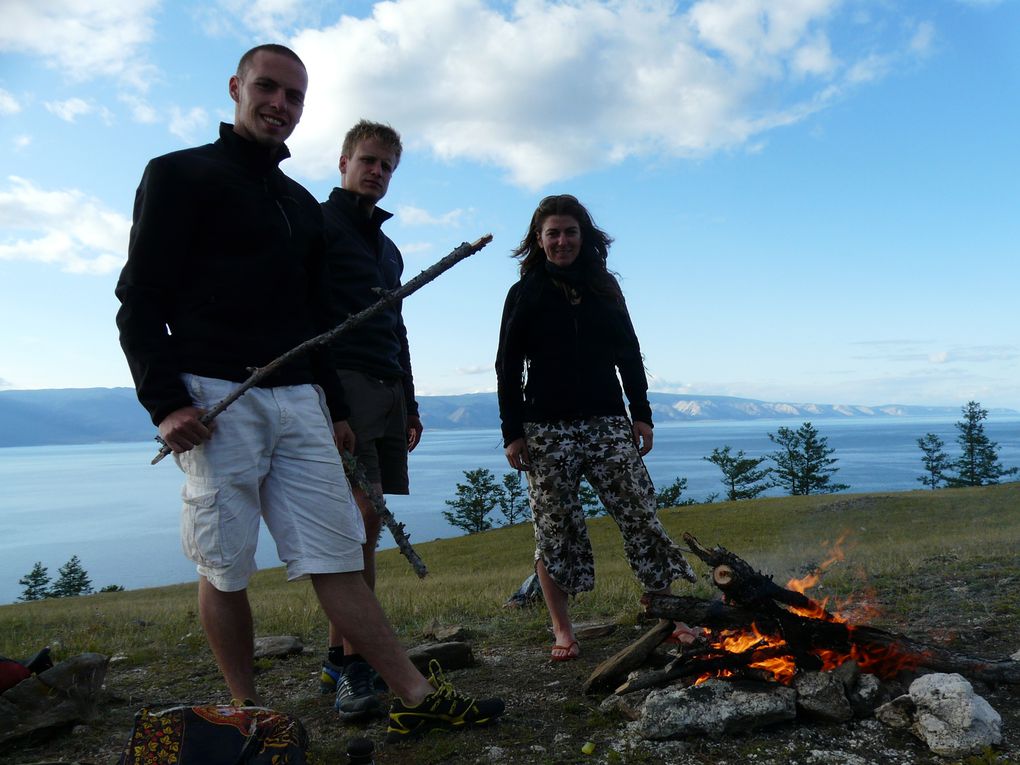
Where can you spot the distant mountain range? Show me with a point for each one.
(97, 415)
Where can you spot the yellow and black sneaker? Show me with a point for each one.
(443, 709)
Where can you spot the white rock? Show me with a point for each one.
(714, 708)
(950, 718)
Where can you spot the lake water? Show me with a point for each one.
(119, 515)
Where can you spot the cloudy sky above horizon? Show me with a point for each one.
(812, 200)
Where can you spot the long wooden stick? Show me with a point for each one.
(386, 299)
(356, 472)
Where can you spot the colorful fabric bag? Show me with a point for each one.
(215, 735)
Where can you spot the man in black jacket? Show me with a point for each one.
(225, 272)
(372, 360)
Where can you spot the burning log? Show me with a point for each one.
(876, 651)
(742, 585)
(691, 664)
(609, 673)
(763, 631)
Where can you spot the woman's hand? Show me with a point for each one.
(517, 454)
(642, 437)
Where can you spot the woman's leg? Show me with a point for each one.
(563, 556)
(556, 602)
(616, 472)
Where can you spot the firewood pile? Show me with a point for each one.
(760, 630)
(765, 654)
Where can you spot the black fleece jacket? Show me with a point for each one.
(225, 271)
(569, 350)
(360, 258)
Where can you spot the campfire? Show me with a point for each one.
(763, 631)
(777, 654)
(766, 654)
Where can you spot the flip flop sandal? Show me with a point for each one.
(569, 654)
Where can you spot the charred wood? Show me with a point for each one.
(858, 642)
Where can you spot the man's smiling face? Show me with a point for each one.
(269, 97)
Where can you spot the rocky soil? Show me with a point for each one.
(548, 720)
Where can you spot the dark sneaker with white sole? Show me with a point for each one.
(443, 709)
(329, 676)
(356, 697)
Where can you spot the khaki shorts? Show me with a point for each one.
(379, 421)
(271, 457)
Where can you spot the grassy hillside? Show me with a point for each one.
(939, 565)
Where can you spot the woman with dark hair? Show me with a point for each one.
(564, 336)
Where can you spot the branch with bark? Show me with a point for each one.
(386, 298)
(356, 472)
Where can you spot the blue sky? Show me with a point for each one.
(812, 200)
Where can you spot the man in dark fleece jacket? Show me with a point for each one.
(224, 272)
(372, 360)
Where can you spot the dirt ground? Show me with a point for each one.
(548, 719)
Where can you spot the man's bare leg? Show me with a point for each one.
(226, 619)
(353, 608)
(373, 527)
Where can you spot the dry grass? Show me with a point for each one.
(942, 564)
(885, 536)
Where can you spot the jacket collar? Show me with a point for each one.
(349, 200)
(249, 152)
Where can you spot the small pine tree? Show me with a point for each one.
(934, 459)
(978, 465)
(36, 583)
(669, 496)
(803, 463)
(73, 580)
(590, 501)
(112, 588)
(513, 499)
(741, 475)
(476, 498)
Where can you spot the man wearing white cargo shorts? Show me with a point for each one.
(224, 273)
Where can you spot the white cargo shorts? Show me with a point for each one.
(271, 456)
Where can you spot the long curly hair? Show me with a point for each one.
(594, 244)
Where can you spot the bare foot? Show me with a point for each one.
(685, 635)
(566, 652)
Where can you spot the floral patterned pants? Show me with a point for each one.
(602, 450)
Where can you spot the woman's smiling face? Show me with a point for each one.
(560, 239)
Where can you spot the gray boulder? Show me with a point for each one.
(278, 646)
(821, 696)
(943, 711)
(62, 695)
(452, 655)
(715, 708)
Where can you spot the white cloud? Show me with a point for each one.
(66, 228)
(475, 370)
(416, 216)
(547, 90)
(415, 248)
(141, 110)
(186, 125)
(264, 19)
(82, 38)
(923, 40)
(8, 103)
(22, 141)
(72, 108)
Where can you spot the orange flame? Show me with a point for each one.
(884, 661)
